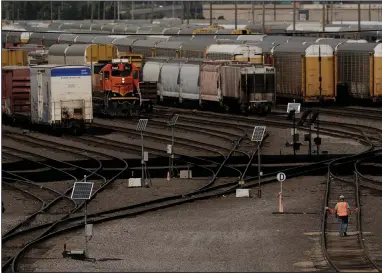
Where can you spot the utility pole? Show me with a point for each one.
(235, 15)
(263, 28)
(92, 12)
(132, 10)
(327, 13)
(104, 10)
(253, 13)
(359, 16)
(51, 11)
(294, 17)
(99, 10)
(210, 13)
(118, 10)
(152, 12)
(369, 12)
(188, 12)
(323, 19)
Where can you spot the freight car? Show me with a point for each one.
(228, 85)
(115, 81)
(305, 72)
(14, 58)
(57, 97)
(359, 70)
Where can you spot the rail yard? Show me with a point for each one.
(170, 146)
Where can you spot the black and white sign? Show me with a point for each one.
(281, 177)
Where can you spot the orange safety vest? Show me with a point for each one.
(342, 209)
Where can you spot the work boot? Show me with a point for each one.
(345, 234)
(340, 234)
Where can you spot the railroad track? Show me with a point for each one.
(209, 191)
(28, 235)
(345, 254)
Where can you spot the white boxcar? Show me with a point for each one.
(61, 96)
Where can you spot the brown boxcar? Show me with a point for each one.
(15, 90)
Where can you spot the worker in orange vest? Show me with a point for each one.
(342, 211)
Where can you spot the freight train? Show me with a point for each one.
(213, 84)
(48, 96)
(309, 69)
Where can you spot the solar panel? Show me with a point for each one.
(82, 190)
(173, 120)
(258, 133)
(142, 123)
(294, 106)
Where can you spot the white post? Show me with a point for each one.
(86, 223)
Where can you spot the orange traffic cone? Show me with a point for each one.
(168, 176)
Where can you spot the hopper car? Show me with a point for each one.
(48, 96)
(213, 84)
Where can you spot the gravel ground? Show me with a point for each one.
(371, 203)
(217, 235)
(122, 195)
(17, 207)
(275, 144)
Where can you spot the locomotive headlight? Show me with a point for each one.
(123, 80)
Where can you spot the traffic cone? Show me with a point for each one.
(168, 176)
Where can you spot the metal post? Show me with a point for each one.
(320, 72)
(327, 13)
(13, 12)
(294, 133)
(235, 15)
(103, 10)
(143, 159)
(86, 222)
(92, 12)
(152, 12)
(369, 12)
(99, 10)
(118, 10)
(59, 13)
(132, 10)
(294, 17)
(259, 170)
(188, 12)
(172, 151)
(51, 11)
(274, 11)
(318, 131)
(359, 16)
(323, 17)
(310, 140)
(263, 18)
(173, 9)
(253, 13)
(210, 13)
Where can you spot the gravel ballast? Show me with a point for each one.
(217, 235)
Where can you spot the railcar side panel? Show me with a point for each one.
(354, 70)
(230, 82)
(189, 81)
(378, 71)
(169, 80)
(289, 74)
(210, 82)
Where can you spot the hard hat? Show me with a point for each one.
(342, 197)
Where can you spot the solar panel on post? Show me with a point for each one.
(258, 133)
(82, 191)
(142, 123)
(173, 120)
(294, 106)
